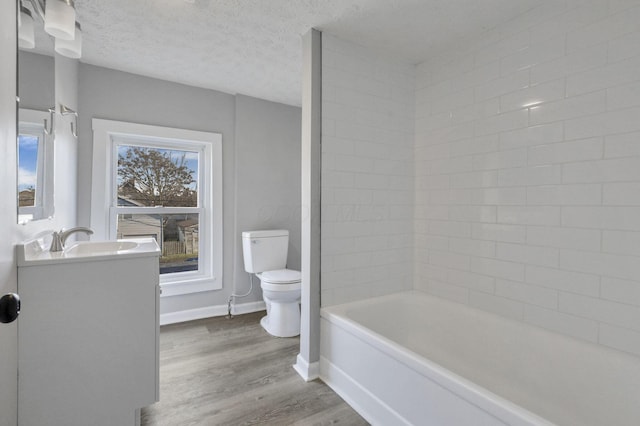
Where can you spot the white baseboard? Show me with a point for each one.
(308, 371)
(210, 311)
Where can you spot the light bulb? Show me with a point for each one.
(71, 48)
(60, 18)
(26, 34)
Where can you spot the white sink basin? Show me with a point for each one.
(37, 251)
(96, 248)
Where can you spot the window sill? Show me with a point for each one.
(178, 287)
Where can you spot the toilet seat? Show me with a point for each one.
(281, 287)
(280, 276)
(280, 280)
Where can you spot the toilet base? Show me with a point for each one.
(282, 319)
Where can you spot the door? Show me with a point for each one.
(8, 214)
(8, 360)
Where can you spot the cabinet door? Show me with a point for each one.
(88, 343)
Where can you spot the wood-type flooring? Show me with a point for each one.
(220, 371)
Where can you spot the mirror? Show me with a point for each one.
(36, 95)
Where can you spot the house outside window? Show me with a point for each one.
(162, 183)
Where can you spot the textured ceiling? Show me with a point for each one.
(253, 47)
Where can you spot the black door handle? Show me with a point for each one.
(9, 307)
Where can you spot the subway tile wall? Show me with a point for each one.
(527, 171)
(367, 173)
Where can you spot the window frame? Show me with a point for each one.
(107, 136)
(32, 122)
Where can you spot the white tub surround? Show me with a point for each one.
(527, 171)
(411, 358)
(367, 173)
(518, 189)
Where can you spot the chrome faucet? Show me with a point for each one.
(60, 238)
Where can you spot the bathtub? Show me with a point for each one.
(413, 359)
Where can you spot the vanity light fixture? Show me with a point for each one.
(60, 18)
(26, 33)
(71, 48)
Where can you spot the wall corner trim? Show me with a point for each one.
(308, 371)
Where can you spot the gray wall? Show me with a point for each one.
(36, 81)
(267, 175)
(251, 130)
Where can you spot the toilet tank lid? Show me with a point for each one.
(281, 276)
(265, 234)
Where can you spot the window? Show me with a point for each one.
(156, 194)
(166, 184)
(33, 200)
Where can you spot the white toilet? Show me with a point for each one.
(265, 254)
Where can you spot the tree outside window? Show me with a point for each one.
(156, 177)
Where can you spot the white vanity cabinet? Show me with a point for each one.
(88, 337)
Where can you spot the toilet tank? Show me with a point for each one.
(265, 250)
